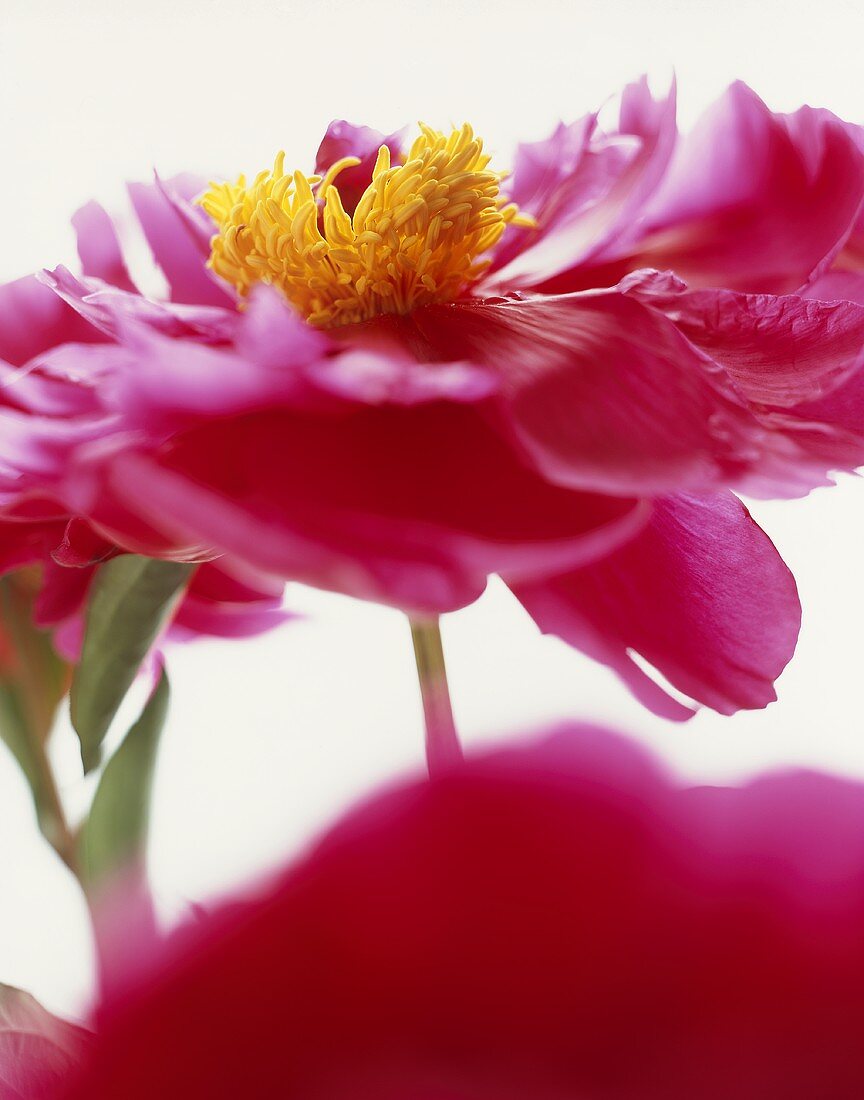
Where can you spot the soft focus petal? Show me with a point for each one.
(701, 595)
(603, 392)
(755, 201)
(21, 544)
(836, 286)
(552, 922)
(277, 359)
(99, 248)
(33, 319)
(175, 246)
(217, 606)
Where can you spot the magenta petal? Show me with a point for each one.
(346, 140)
(755, 201)
(22, 544)
(701, 594)
(280, 360)
(603, 392)
(364, 502)
(218, 606)
(830, 428)
(272, 334)
(779, 349)
(586, 189)
(176, 248)
(80, 546)
(556, 921)
(99, 248)
(110, 310)
(180, 193)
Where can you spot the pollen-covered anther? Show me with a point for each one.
(417, 236)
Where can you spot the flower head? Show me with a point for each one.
(380, 378)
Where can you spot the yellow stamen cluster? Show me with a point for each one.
(415, 237)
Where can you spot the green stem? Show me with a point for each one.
(52, 816)
(442, 742)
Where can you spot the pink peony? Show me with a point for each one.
(552, 921)
(425, 387)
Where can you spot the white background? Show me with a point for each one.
(269, 739)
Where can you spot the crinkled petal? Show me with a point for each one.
(701, 594)
(80, 545)
(779, 350)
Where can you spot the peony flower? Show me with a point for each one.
(398, 387)
(554, 920)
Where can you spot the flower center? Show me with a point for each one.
(416, 236)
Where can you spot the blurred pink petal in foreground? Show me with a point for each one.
(551, 921)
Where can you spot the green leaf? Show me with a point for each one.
(115, 833)
(38, 1051)
(131, 600)
(32, 683)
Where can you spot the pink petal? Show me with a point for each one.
(412, 506)
(176, 249)
(586, 189)
(603, 392)
(279, 360)
(701, 594)
(829, 428)
(346, 140)
(33, 319)
(80, 546)
(836, 286)
(779, 350)
(110, 310)
(199, 616)
(755, 201)
(99, 247)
